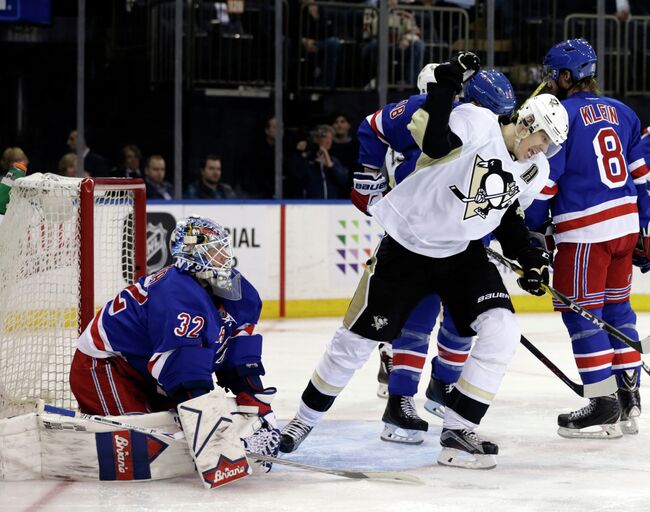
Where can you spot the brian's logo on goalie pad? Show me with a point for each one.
(126, 455)
(490, 187)
(226, 471)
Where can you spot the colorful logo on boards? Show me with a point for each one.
(355, 242)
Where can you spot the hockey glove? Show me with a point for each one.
(266, 438)
(535, 263)
(459, 69)
(641, 255)
(367, 189)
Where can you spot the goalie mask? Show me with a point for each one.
(202, 247)
(543, 112)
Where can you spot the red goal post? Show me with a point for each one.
(69, 245)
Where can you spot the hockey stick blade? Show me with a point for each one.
(642, 346)
(180, 436)
(346, 473)
(602, 388)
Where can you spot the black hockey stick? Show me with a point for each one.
(179, 436)
(602, 388)
(642, 346)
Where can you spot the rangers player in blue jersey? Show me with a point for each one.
(161, 340)
(402, 360)
(597, 198)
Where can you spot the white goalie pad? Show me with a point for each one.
(214, 436)
(52, 446)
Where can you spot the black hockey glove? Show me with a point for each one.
(459, 69)
(641, 254)
(535, 262)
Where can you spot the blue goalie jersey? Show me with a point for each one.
(172, 329)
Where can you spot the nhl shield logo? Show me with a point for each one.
(491, 187)
(156, 246)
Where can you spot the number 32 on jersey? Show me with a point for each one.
(190, 325)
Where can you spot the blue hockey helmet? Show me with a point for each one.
(491, 89)
(576, 55)
(202, 247)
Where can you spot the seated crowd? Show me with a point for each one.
(317, 165)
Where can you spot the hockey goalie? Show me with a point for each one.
(151, 358)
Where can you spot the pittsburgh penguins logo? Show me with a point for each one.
(490, 187)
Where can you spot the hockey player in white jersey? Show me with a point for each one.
(469, 181)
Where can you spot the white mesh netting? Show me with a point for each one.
(40, 282)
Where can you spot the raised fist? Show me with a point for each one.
(459, 69)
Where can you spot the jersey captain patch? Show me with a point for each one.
(490, 188)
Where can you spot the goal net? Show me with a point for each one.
(67, 245)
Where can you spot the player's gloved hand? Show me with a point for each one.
(535, 263)
(265, 441)
(265, 435)
(367, 189)
(641, 254)
(459, 69)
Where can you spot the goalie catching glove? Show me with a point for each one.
(459, 69)
(265, 440)
(535, 262)
(367, 188)
(641, 255)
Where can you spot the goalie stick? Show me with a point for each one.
(179, 436)
(642, 346)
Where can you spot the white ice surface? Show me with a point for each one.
(537, 470)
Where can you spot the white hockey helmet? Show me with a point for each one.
(543, 112)
(426, 76)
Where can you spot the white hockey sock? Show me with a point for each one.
(455, 421)
(308, 415)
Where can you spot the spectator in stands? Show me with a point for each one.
(403, 38)
(67, 165)
(94, 164)
(345, 148)
(315, 173)
(130, 164)
(318, 39)
(209, 185)
(10, 156)
(259, 182)
(154, 178)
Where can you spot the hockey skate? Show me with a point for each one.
(385, 367)
(629, 400)
(465, 449)
(401, 421)
(437, 394)
(293, 434)
(597, 420)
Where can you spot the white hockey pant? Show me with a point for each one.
(345, 353)
(498, 337)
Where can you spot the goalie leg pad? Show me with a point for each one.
(214, 438)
